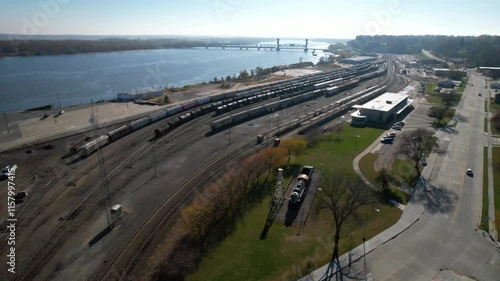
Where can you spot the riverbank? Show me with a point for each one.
(29, 127)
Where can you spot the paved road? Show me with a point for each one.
(445, 237)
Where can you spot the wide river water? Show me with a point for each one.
(27, 82)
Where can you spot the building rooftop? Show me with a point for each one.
(360, 58)
(490, 67)
(385, 102)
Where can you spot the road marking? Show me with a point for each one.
(461, 187)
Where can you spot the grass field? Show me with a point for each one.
(429, 88)
(496, 184)
(283, 254)
(485, 124)
(485, 106)
(366, 166)
(484, 210)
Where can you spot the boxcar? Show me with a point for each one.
(118, 133)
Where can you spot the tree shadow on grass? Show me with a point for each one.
(386, 195)
(434, 199)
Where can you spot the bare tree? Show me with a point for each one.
(385, 178)
(342, 195)
(416, 145)
(338, 129)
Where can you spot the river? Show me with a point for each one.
(27, 82)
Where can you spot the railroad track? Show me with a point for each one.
(79, 214)
(31, 267)
(144, 236)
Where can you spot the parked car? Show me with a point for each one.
(397, 127)
(400, 123)
(59, 113)
(479, 94)
(424, 161)
(100, 101)
(392, 134)
(469, 172)
(387, 140)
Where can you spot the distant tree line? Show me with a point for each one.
(73, 46)
(477, 51)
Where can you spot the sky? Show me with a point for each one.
(339, 19)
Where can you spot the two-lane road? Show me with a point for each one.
(445, 237)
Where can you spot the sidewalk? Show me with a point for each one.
(411, 214)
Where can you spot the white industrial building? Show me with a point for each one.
(381, 110)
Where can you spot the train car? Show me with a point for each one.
(186, 117)
(139, 123)
(242, 116)
(330, 91)
(118, 133)
(222, 123)
(161, 131)
(174, 109)
(189, 104)
(203, 100)
(256, 111)
(233, 105)
(207, 108)
(158, 116)
(94, 145)
(196, 112)
(174, 123)
(221, 109)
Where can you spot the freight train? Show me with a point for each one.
(228, 101)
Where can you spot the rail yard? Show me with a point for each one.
(154, 165)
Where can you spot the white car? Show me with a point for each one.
(469, 172)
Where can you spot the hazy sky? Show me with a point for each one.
(273, 18)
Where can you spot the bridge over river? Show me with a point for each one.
(277, 46)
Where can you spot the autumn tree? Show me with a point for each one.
(293, 147)
(416, 144)
(343, 195)
(272, 157)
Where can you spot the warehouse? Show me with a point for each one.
(357, 60)
(381, 110)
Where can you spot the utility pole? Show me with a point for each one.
(103, 170)
(6, 123)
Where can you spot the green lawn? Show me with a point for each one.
(284, 255)
(484, 211)
(496, 184)
(485, 106)
(434, 98)
(485, 124)
(429, 88)
(367, 168)
(402, 168)
(494, 106)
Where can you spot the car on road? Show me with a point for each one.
(469, 172)
(397, 127)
